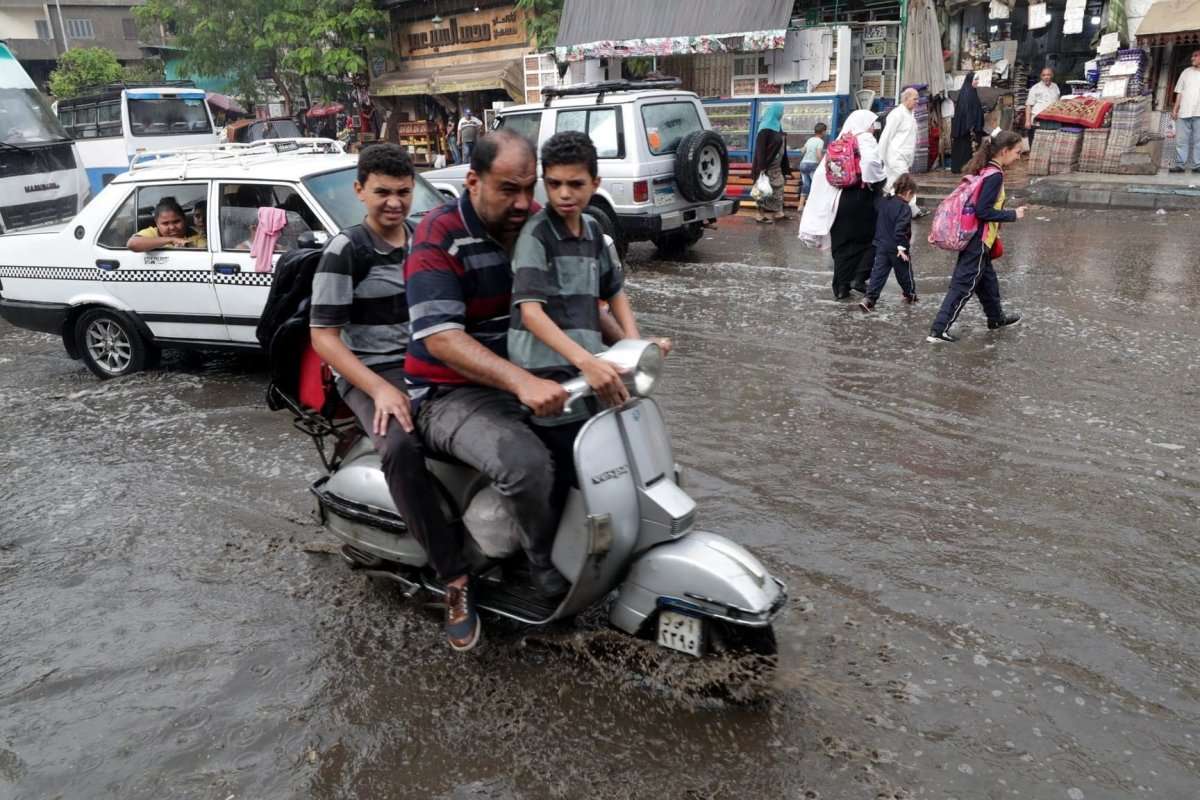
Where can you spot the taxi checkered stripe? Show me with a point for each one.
(137, 275)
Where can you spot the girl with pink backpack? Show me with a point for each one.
(974, 273)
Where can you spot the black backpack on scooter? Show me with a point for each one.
(283, 327)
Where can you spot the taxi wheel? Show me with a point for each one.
(110, 344)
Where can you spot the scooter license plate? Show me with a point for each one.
(681, 632)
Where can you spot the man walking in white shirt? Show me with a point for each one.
(898, 144)
(1041, 95)
(1187, 116)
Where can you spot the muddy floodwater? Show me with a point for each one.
(991, 549)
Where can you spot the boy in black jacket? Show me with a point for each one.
(893, 235)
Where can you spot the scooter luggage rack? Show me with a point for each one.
(317, 427)
(242, 154)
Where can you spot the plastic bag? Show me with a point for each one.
(762, 188)
(491, 526)
(439, 161)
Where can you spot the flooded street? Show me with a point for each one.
(991, 548)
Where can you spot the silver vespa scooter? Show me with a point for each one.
(627, 536)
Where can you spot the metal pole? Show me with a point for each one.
(62, 26)
(901, 48)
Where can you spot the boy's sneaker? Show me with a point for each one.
(1005, 320)
(936, 337)
(867, 305)
(463, 628)
(911, 298)
(1176, 170)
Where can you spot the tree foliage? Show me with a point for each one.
(82, 67)
(286, 40)
(543, 18)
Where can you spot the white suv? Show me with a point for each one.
(117, 309)
(663, 169)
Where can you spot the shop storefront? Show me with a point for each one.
(448, 57)
(738, 56)
(1170, 31)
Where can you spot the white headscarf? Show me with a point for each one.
(820, 208)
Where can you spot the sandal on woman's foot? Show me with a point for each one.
(765, 221)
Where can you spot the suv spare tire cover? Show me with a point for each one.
(701, 166)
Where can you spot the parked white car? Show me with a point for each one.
(663, 169)
(117, 309)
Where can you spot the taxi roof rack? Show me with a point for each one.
(602, 88)
(234, 152)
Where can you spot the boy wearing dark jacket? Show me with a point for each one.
(893, 237)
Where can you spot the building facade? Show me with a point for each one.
(38, 32)
(447, 57)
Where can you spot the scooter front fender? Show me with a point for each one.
(702, 574)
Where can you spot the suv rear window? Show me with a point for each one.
(603, 125)
(667, 123)
(528, 125)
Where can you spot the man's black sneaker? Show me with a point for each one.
(867, 305)
(936, 337)
(841, 294)
(1004, 321)
(1196, 170)
(1176, 170)
(548, 581)
(463, 628)
(911, 298)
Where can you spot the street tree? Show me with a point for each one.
(81, 67)
(287, 41)
(543, 18)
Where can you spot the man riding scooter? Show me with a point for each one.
(470, 399)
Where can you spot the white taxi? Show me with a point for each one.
(117, 309)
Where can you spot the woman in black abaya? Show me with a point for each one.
(967, 126)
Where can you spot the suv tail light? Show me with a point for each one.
(641, 191)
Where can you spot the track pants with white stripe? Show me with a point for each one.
(973, 275)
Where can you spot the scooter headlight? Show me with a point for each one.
(646, 373)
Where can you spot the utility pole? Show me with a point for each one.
(62, 26)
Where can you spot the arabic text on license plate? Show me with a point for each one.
(664, 196)
(681, 632)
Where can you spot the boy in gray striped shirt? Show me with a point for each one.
(562, 267)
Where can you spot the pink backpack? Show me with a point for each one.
(843, 167)
(954, 222)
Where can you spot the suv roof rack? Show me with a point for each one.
(99, 88)
(235, 152)
(602, 88)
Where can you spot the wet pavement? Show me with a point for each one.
(991, 548)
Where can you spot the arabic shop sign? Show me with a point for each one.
(483, 29)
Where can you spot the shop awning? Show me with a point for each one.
(504, 75)
(399, 84)
(601, 28)
(1171, 22)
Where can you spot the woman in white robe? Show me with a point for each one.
(843, 220)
